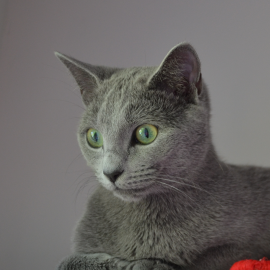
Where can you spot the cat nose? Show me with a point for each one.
(113, 175)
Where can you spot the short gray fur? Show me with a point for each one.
(176, 205)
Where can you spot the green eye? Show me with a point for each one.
(146, 133)
(94, 138)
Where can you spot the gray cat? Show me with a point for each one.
(165, 200)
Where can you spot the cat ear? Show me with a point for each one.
(179, 73)
(86, 80)
(88, 77)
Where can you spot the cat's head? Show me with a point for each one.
(144, 129)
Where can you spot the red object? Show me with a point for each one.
(263, 264)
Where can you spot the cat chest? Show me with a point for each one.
(157, 238)
(137, 231)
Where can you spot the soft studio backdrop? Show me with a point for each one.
(41, 167)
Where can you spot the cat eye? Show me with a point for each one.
(94, 138)
(146, 133)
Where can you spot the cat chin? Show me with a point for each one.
(127, 198)
(131, 195)
(127, 195)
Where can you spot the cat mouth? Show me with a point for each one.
(133, 190)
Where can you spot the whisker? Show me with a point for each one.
(185, 184)
(62, 100)
(172, 187)
(75, 159)
(192, 186)
(178, 177)
(82, 183)
(78, 181)
(81, 187)
(90, 190)
(181, 178)
(181, 192)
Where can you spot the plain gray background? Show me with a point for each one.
(41, 166)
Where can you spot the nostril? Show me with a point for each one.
(113, 175)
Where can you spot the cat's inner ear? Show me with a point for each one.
(87, 81)
(179, 73)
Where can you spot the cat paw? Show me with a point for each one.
(148, 265)
(140, 265)
(103, 261)
(162, 266)
(99, 261)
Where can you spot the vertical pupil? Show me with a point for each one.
(146, 133)
(95, 136)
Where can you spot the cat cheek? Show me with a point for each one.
(106, 183)
(93, 161)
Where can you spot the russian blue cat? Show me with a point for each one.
(165, 199)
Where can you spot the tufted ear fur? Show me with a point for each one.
(88, 77)
(179, 73)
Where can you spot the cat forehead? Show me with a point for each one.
(123, 88)
(118, 90)
(124, 100)
(126, 79)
